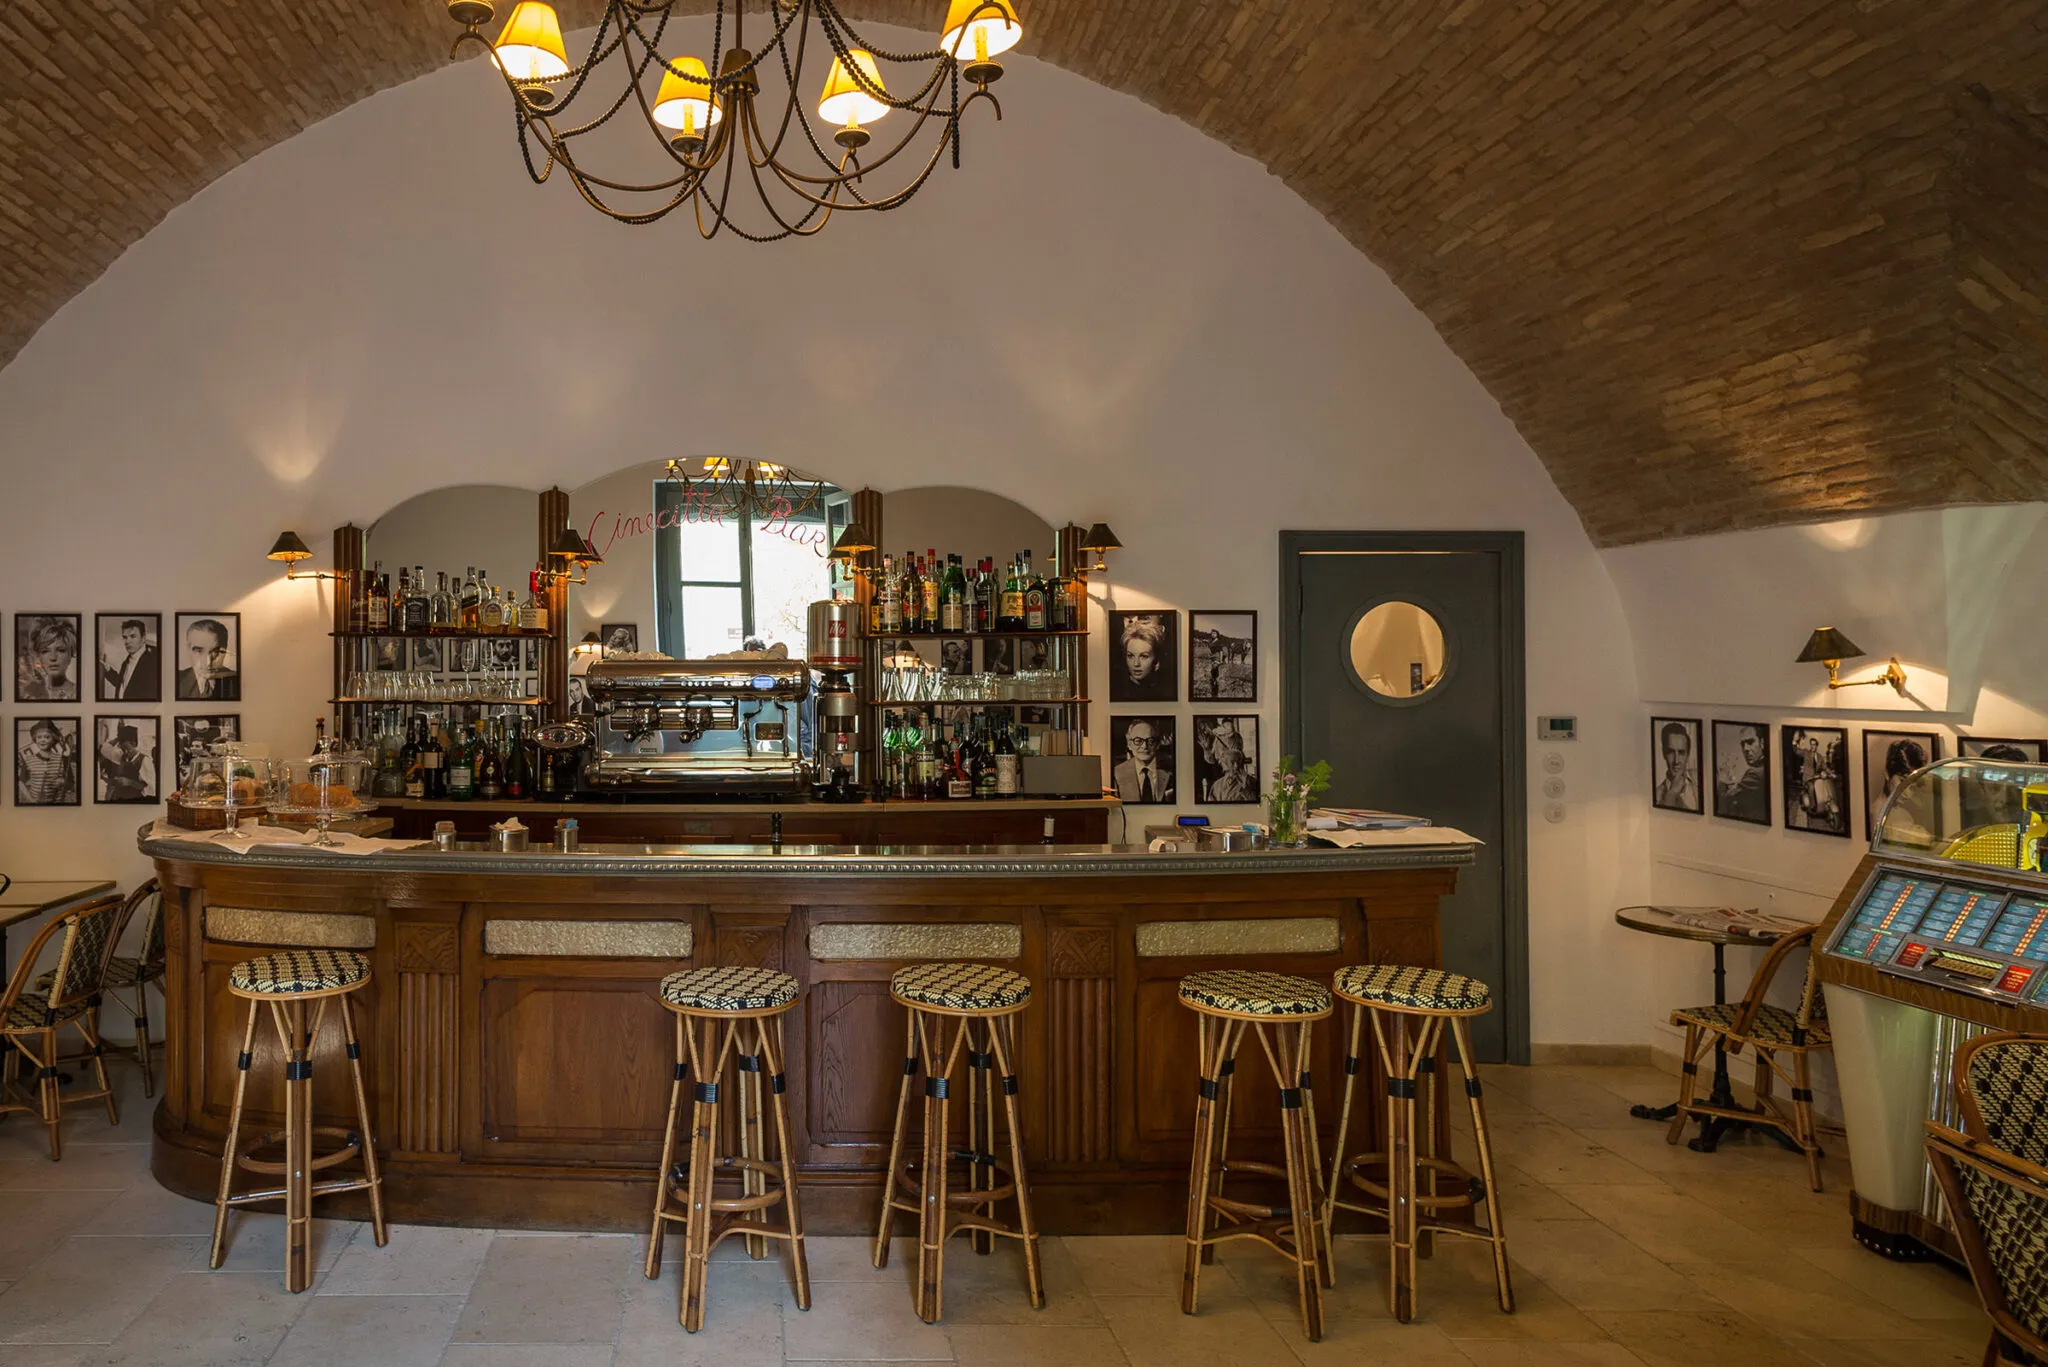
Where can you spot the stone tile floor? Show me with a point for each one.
(1625, 1251)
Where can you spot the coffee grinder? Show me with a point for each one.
(833, 650)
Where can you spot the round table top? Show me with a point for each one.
(1710, 925)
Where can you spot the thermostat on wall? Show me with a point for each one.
(1557, 728)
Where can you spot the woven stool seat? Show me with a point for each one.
(293, 971)
(960, 987)
(1247, 992)
(728, 989)
(1415, 989)
(31, 1011)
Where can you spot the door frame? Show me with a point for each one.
(1507, 548)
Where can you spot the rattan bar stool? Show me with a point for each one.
(297, 985)
(1278, 1009)
(1393, 996)
(727, 1016)
(957, 1009)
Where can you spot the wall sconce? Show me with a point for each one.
(1830, 647)
(1100, 539)
(571, 550)
(289, 550)
(590, 645)
(854, 542)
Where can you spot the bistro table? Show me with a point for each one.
(1719, 927)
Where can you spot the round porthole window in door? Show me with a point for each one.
(1397, 650)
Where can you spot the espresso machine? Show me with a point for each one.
(833, 650)
(699, 727)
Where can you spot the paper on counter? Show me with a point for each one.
(1414, 835)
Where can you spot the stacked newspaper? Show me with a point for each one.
(1361, 819)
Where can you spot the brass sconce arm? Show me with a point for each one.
(1829, 647)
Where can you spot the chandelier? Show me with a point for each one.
(709, 132)
(733, 486)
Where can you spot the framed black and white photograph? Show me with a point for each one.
(1223, 657)
(533, 655)
(1993, 804)
(1141, 753)
(999, 655)
(530, 686)
(129, 663)
(1816, 760)
(125, 754)
(1227, 758)
(428, 654)
(1675, 764)
(387, 654)
(464, 656)
(956, 656)
(209, 646)
(46, 762)
(619, 638)
(1034, 716)
(46, 657)
(579, 695)
(194, 736)
(504, 654)
(1742, 771)
(1032, 653)
(1889, 758)
(1144, 659)
(2001, 747)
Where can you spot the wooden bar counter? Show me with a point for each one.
(521, 1062)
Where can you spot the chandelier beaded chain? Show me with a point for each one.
(710, 127)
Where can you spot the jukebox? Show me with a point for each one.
(1941, 934)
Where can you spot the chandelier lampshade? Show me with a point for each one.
(846, 101)
(530, 47)
(977, 30)
(684, 105)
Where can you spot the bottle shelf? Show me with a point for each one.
(959, 635)
(977, 702)
(452, 700)
(443, 633)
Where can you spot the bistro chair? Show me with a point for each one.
(124, 976)
(298, 985)
(1771, 1032)
(1411, 1010)
(1996, 1185)
(1277, 1010)
(956, 1010)
(728, 1017)
(29, 1019)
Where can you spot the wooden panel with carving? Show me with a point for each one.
(574, 1067)
(1080, 1029)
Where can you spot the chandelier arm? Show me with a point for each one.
(841, 175)
(636, 217)
(827, 9)
(520, 115)
(723, 79)
(862, 202)
(754, 169)
(558, 150)
(843, 49)
(576, 76)
(631, 87)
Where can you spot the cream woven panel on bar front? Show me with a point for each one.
(846, 942)
(318, 929)
(1271, 935)
(590, 939)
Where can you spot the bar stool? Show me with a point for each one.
(978, 1004)
(290, 981)
(727, 1016)
(1392, 995)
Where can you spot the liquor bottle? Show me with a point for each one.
(959, 783)
(984, 598)
(913, 593)
(469, 598)
(490, 766)
(442, 611)
(970, 601)
(319, 734)
(433, 763)
(409, 763)
(1010, 616)
(926, 784)
(462, 767)
(491, 614)
(934, 589)
(1034, 598)
(953, 603)
(379, 615)
(400, 598)
(891, 596)
(534, 616)
(518, 783)
(1006, 760)
(984, 759)
(417, 612)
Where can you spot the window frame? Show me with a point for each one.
(834, 509)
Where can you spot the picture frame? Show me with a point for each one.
(533, 655)
(1226, 758)
(1815, 771)
(956, 656)
(1981, 803)
(46, 762)
(503, 653)
(1889, 757)
(999, 655)
(126, 753)
(1675, 765)
(1742, 771)
(619, 637)
(48, 656)
(192, 736)
(2009, 748)
(1223, 656)
(1144, 655)
(128, 659)
(387, 654)
(429, 654)
(209, 656)
(1136, 781)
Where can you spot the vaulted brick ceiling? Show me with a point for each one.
(1725, 263)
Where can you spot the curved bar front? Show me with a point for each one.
(521, 1062)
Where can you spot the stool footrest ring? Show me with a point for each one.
(351, 1147)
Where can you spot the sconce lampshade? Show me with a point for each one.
(1827, 645)
(977, 30)
(589, 645)
(845, 100)
(853, 540)
(290, 549)
(529, 48)
(571, 546)
(684, 105)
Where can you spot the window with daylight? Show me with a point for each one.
(722, 580)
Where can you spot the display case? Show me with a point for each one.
(1941, 933)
